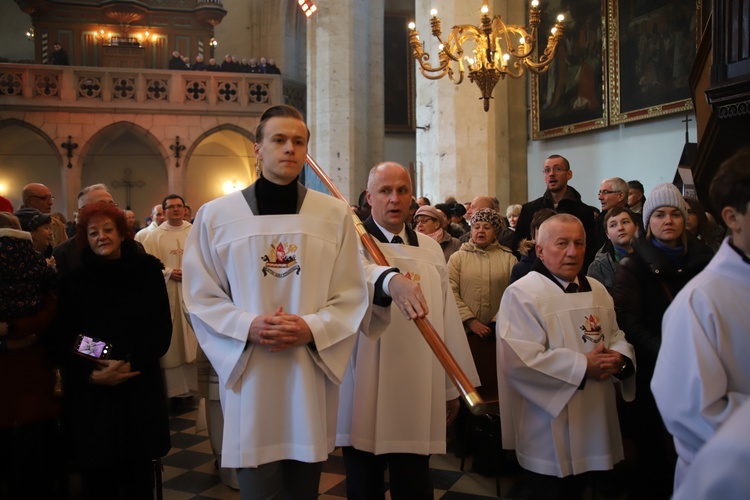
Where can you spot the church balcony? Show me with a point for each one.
(33, 87)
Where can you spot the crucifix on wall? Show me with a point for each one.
(128, 184)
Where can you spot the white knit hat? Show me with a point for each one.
(664, 195)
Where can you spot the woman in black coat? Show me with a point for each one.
(114, 410)
(646, 282)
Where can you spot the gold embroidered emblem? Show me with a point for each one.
(281, 260)
(414, 277)
(592, 330)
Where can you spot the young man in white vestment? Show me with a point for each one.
(702, 374)
(396, 395)
(276, 295)
(167, 243)
(719, 469)
(559, 355)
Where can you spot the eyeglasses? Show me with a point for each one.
(605, 192)
(45, 198)
(424, 220)
(557, 170)
(174, 207)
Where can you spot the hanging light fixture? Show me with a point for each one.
(499, 50)
(308, 7)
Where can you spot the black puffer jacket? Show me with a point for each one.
(645, 284)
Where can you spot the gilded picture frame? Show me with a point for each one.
(652, 44)
(572, 95)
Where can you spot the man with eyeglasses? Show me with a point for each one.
(38, 196)
(561, 198)
(613, 193)
(166, 242)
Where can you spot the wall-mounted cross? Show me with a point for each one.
(687, 121)
(70, 146)
(128, 185)
(177, 148)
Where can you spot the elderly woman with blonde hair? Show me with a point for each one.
(479, 274)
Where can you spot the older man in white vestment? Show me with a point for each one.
(167, 242)
(393, 401)
(276, 295)
(559, 355)
(702, 374)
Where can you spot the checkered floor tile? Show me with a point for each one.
(190, 472)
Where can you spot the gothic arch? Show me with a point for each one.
(132, 161)
(217, 162)
(10, 122)
(102, 133)
(225, 126)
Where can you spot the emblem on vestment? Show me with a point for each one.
(592, 330)
(281, 260)
(415, 277)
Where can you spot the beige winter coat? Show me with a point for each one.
(478, 278)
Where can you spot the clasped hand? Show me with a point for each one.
(112, 372)
(280, 331)
(602, 363)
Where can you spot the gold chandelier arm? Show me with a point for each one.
(546, 59)
(458, 36)
(494, 50)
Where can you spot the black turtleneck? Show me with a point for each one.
(274, 199)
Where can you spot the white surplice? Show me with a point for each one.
(702, 373)
(277, 405)
(543, 334)
(393, 397)
(168, 243)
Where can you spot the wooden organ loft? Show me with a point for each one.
(720, 83)
(123, 34)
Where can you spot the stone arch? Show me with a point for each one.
(125, 150)
(107, 130)
(28, 154)
(9, 122)
(224, 126)
(217, 162)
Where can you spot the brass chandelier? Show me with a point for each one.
(499, 50)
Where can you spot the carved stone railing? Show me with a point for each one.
(69, 88)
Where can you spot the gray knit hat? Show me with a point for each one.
(664, 195)
(488, 215)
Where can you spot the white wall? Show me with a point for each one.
(647, 151)
(401, 148)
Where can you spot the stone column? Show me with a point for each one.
(461, 149)
(345, 90)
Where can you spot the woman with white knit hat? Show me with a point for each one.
(646, 282)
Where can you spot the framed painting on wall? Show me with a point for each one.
(572, 95)
(652, 44)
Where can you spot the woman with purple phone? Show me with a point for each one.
(114, 410)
